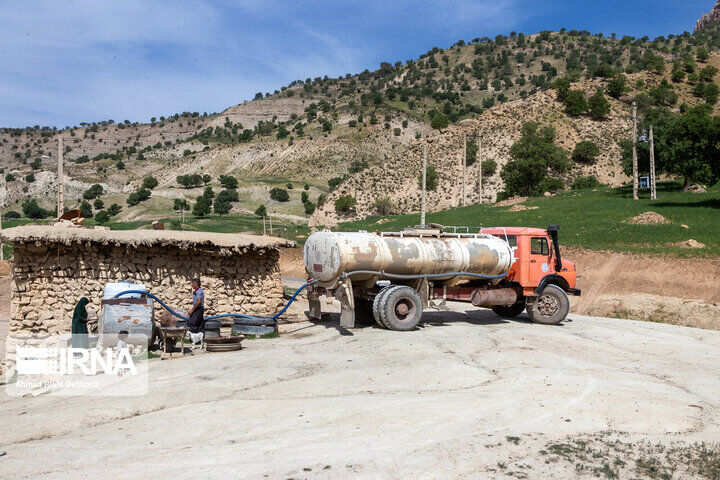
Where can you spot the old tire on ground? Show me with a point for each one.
(364, 311)
(511, 311)
(551, 307)
(401, 308)
(376, 306)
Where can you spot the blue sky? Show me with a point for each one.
(63, 62)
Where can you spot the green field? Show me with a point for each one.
(595, 219)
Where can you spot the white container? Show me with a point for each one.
(112, 289)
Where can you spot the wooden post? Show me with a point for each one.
(479, 162)
(61, 202)
(424, 180)
(634, 153)
(464, 163)
(653, 186)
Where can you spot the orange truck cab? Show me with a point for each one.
(540, 277)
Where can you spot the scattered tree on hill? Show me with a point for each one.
(180, 204)
(10, 177)
(334, 182)
(534, 156)
(149, 182)
(586, 152)
(304, 197)
(279, 195)
(229, 196)
(140, 195)
(114, 209)
(202, 207)
(31, 209)
(36, 164)
(617, 86)
(228, 181)
(221, 206)
(345, 204)
(261, 211)
(30, 177)
(562, 88)
(93, 192)
(208, 193)
(306, 187)
(86, 209)
(575, 103)
(102, 217)
(439, 122)
(98, 204)
(471, 150)
(598, 105)
(190, 181)
(309, 207)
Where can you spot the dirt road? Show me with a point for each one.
(467, 396)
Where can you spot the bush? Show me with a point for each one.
(98, 204)
(30, 177)
(190, 181)
(306, 187)
(397, 131)
(585, 182)
(489, 167)
(114, 209)
(334, 182)
(261, 211)
(304, 197)
(120, 165)
(383, 206)
(149, 182)
(551, 184)
(309, 207)
(12, 214)
(228, 181)
(585, 152)
(9, 177)
(431, 178)
(289, 186)
(575, 103)
(345, 204)
(31, 209)
(208, 193)
(279, 195)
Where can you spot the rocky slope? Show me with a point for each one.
(707, 19)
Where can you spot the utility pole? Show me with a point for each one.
(653, 186)
(424, 180)
(634, 153)
(264, 225)
(61, 202)
(479, 162)
(270, 221)
(464, 163)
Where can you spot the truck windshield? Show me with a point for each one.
(511, 239)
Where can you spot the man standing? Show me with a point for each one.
(196, 324)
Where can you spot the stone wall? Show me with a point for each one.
(49, 279)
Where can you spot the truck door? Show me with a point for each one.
(539, 259)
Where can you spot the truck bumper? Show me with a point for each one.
(575, 291)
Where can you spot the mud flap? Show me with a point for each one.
(315, 312)
(347, 304)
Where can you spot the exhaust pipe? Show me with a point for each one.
(553, 230)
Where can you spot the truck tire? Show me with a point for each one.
(401, 308)
(511, 311)
(376, 306)
(551, 307)
(364, 311)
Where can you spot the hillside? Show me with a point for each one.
(366, 132)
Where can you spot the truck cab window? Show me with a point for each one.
(539, 246)
(511, 239)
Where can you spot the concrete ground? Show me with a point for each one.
(469, 395)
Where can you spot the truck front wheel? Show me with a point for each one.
(511, 311)
(399, 308)
(551, 307)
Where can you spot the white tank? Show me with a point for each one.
(328, 255)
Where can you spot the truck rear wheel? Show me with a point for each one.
(551, 307)
(511, 311)
(399, 308)
(376, 306)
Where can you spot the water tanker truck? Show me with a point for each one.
(391, 277)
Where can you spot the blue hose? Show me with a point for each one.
(225, 315)
(312, 282)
